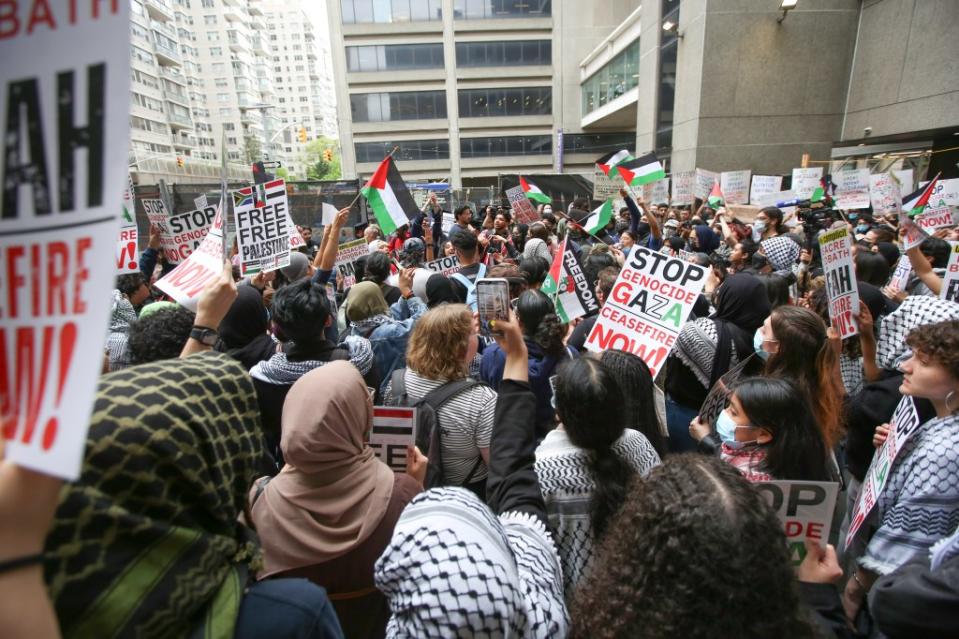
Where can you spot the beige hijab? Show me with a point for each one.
(332, 493)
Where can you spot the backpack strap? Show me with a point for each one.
(462, 279)
(482, 271)
(439, 396)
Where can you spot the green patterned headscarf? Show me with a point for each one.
(146, 543)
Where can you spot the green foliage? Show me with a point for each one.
(317, 168)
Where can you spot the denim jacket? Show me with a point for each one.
(388, 335)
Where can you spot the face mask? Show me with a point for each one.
(726, 428)
(758, 344)
(759, 226)
(862, 228)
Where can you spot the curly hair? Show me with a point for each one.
(159, 335)
(129, 283)
(437, 347)
(692, 546)
(940, 342)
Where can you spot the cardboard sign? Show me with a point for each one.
(836, 249)
(805, 181)
(64, 107)
(445, 265)
(852, 189)
(394, 428)
(885, 194)
(950, 283)
(683, 186)
(127, 252)
(763, 185)
(735, 186)
(704, 183)
(523, 211)
(656, 192)
(606, 186)
(346, 256)
(649, 303)
(905, 422)
(185, 283)
(900, 277)
(805, 509)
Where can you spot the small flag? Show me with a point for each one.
(599, 218)
(387, 195)
(915, 203)
(610, 160)
(716, 198)
(533, 192)
(571, 301)
(639, 171)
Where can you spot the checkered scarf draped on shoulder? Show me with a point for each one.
(148, 537)
(915, 311)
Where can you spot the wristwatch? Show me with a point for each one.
(204, 335)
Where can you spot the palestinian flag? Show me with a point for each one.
(532, 191)
(915, 203)
(716, 197)
(567, 286)
(387, 195)
(639, 171)
(609, 161)
(599, 218)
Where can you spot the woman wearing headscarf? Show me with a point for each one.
(709, 347)
(330, 512)
(781, 251)
(535, 247)
(704, 239)
(147, 542)
(439, 290)
(244, 331)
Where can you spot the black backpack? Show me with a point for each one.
(428, 428)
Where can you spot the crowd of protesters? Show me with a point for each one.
(228, 487)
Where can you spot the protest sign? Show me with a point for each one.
(649, 303)
(805, 509)
(328, 213)
(950, 283)
(914, 234)
(735, 186)
(262, 230)
(937, 218)
(445, 265)
(885, 194)
(157, 215)
(448, 222)
(906, 182)
(567, 286)
(704, 183)
(805, 181)
(900, 277)
(745, 213)
(905, 421)
(606, 186)
(683, 187)
(185, 283)
(393, 430)
(656, 192)
(186, 231)
(346, 256)
(763, 185)
(127, 253)
(200, 201)
(64, 106)
(523, 211)
(836, 249)
(852, 189)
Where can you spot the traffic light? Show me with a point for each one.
(302, 134)
(179, 161)
(328, 155)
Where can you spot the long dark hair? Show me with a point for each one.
(540, 322)
(589, 404)
(872, 268)
(632, 374)
(689, 537)
(377, 268)
(797, 450)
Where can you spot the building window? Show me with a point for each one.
(613, 79)
(480, 103)
(500, 54)
(366, 11)
(491, 9)
(597, 143)
(394, 57)
(509, 145)
(407, 150)
(385, 107)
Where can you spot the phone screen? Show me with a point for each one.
(492, 301)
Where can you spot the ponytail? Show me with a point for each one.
(540, 322)
(612, 475)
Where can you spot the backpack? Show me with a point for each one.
(470, 286)
(428, 428)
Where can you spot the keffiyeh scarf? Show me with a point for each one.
(916, 310)
(122, 318)
(781, 252)
(280, 370)
(454, 569)
(696, 348)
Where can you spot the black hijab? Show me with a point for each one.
(741, 307)
(439, 290)
(243, 331)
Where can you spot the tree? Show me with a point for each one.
(252, 149)
(317, 167)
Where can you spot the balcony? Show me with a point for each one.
(159, 10)
(173, 74)
(238, 43)
(179, 97)
(178, 121)
(233, 14)
(259, 45)
(167, 56)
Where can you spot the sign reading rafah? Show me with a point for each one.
(836, 249)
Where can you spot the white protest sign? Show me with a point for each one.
(647, 307)
(950, 283)
(186, 231)
(127, 253)
(448, 222)
(445, 265)
(836, 249)
(656, 192)
(64, 106)
(805, 181)
(185, 283)
(263, 227)
(763, 185)
(852, 189)
(885, 194)
(914, 234)
(683, 187)
(200, 201)
(900, 277)
(735, 186)
(523, 211)
(329, 214)
(936, 218)
(606, 186)
(346, 254)
(393, 430)
(904, 422)
(906, 181)
(156, 213)
(704, 183)
(805, 509)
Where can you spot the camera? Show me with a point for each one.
(817, 219)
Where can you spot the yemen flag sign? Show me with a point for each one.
(532, 191)
(387, 195)
(567, 286)
(609, 161)
(600, 218)
(716, 197)
(915, 203)
(640, 171)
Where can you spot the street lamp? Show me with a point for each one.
(786, 6)
(672, 27)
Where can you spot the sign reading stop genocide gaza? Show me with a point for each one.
(649, 303)
(64, 111)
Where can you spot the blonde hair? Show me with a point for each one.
(437, 347)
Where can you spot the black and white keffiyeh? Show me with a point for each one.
(696, 348)
(916, 310)
(781, 251)
(280, 370)
(454, 569)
